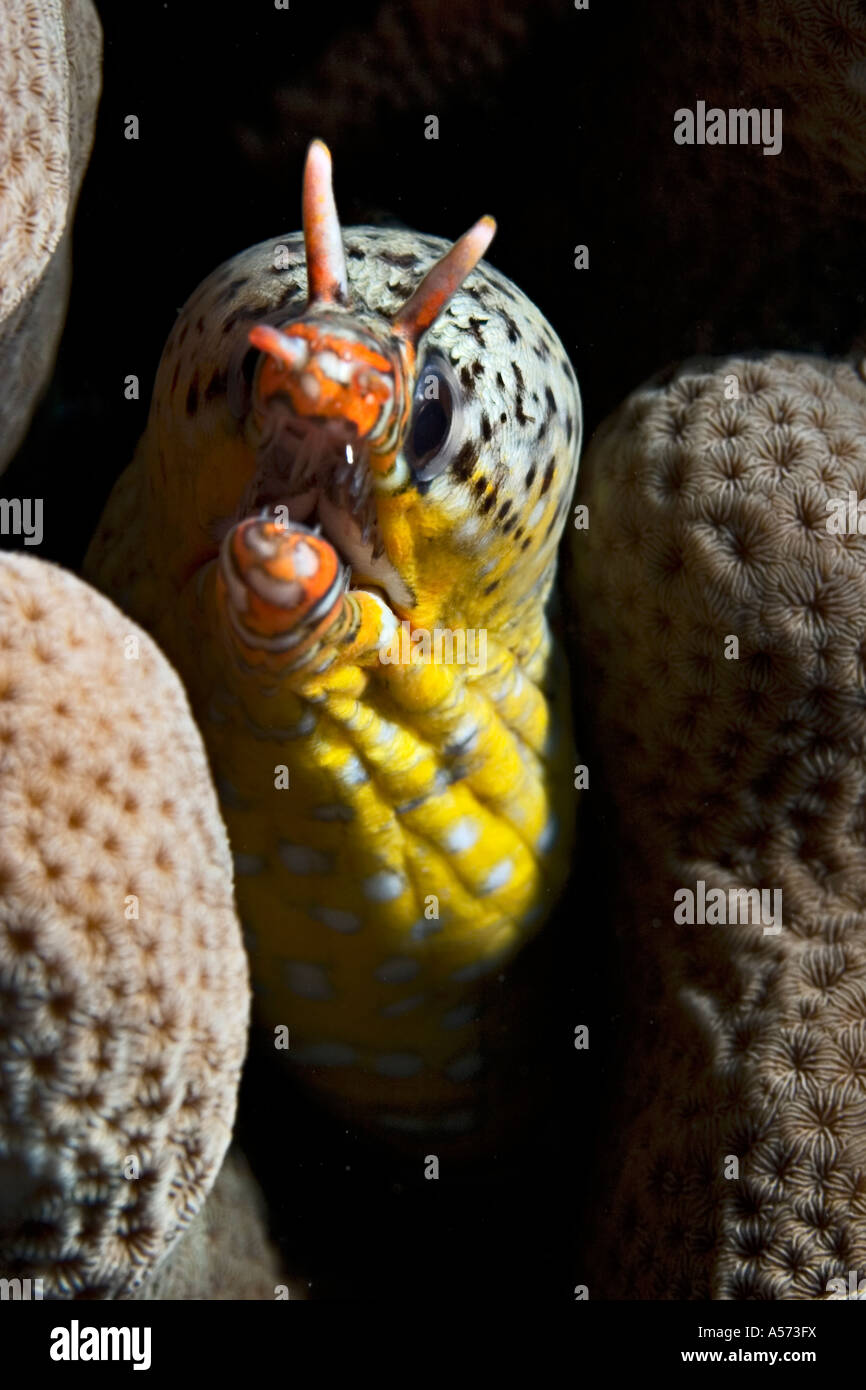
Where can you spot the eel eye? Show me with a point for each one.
(432, 428)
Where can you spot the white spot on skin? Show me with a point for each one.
(386, 731)
(387, 626)
(499, 875)
(478, 968)
(383, 887)
(459, 1017)
(468, 529)
(248, 864)
(462, 835)
(536, 514)
(465, 737)
(306, 980)
(548, 836)
(420, 930)
(397, 970)
(324, 1055)
(534, 914)
(299, 859)
(337, 919)
(352, 773)
(334, 812)
(402, 1006)
(465, 1067)
(398, 1064)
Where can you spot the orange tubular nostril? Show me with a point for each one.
(285, 575)
(332, 375)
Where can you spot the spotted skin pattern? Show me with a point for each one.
(426, 828)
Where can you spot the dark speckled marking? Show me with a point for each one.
(526, 543)
(355, 253)
(216, 386)
(519, 413)
(480, 484)
(466, 381)
(504, 510)
(530, 477)
(500, 380)
(475, 326)
(464, 464)
(486, 427)
(509, 526)
(477, 369)
(231, 290)
(494, 584)
(569, 428)
(503, 418)
(192, 396)
(511, 326)
(405, 260)
(548, 476)
(551, 399)
(489, 503)
(504, 288)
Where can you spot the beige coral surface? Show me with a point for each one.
(50, 78)
(708, 520)
(123, 981)
(226, 1255)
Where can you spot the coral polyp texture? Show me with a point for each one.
(361, 448)
(720, 597)
(123, 981)
(226, 1254)
(50, 77)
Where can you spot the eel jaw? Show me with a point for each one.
(319, 473)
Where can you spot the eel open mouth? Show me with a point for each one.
(317, 470)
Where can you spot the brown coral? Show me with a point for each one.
(123, 981)
(50, 62)
(709, 520)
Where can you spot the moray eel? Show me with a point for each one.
(342, 525)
